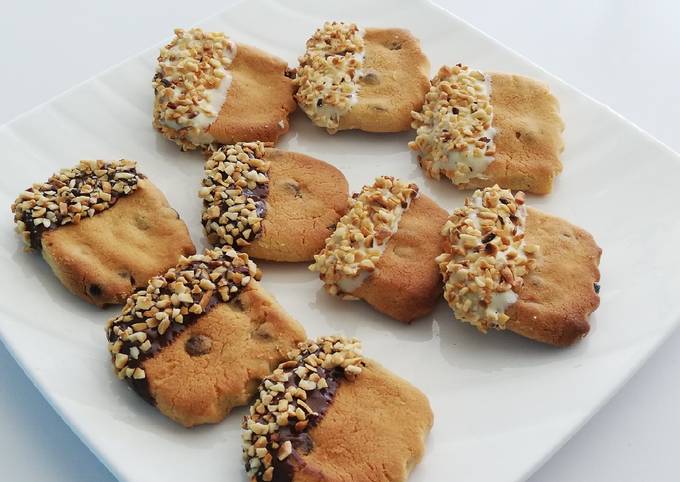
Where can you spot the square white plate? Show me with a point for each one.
(502, 404)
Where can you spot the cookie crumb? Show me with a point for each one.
(294, 398)
(234, 193)
(484, 266)
(328, 77)
(72, 195)
(454, 128)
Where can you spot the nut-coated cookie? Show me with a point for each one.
(272, 204)
(103, 228)
(383, 250)
(209, 89)
(506, 266)
(362, 79)
(198, 340)
(329, 414)
(480, 129)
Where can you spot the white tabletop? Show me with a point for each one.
(619, 52)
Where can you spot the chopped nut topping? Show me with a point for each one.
(360, 237)
(329, 70)
(234, 192)
(152, 317)
(191, 84)
(488, 257)
(71, 195)
(293, 399)
(454, 129)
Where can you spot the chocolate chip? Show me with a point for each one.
(596, 287)
(518, 135)
(319, 103)
(172, 105)
(294, 187)
(95, 290)
(198, 345)
(485, 139)
(504, 201)
(371, 78)
(488, 238)
(141, 223)
(165, 82)
(455, 110)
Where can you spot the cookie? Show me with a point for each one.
(383, 250)
(269, 203)
(362, 79)
(480, 129)
(209, 89)
(103, 228)
(510, 267)
(197, 341)
(329, 414)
